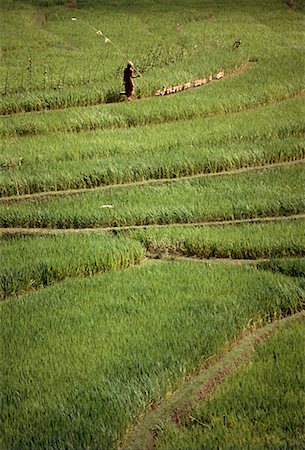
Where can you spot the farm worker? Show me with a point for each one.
(128, 80)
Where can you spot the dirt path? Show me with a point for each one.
(164, 91)
(206, 80)
(153, 181)
(214, 260)
(198, 386)
(19, 231)
(173, 90)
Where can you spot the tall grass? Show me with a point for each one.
(180, 44)
(29, 263)
(219, 98)
(294, 267)
(68, 161)
(261, 406)
(273, 191)
(249, 241)
(80, 360)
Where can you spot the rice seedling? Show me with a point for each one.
(294, 267)
(179, 46)
(261, 405)
(30, 263)
(242, 241)
(267, 192)
(69, 161)
(84, 357)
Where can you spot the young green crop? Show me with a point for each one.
(68, 161)
(272, 191)
(71, 65)
(294, 267)
(273, 121)
(28, 263)
(80, 360)
(217, 99)
(260, 406)
(24, 178)
(249, 241)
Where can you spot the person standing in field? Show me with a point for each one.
(128, 80)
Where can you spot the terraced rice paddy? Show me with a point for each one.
(152, 252)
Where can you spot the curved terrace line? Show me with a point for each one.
(163, 120)
(203, 81)
(214, 260)
(22, 231)
(152, 181)
(144, 434)
(161, 92)
(149, 257)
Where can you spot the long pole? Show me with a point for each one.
(107, 39)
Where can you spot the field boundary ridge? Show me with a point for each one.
(150, 181)
(93, 126)
(198, 386)
(23, 231)
(160, 92)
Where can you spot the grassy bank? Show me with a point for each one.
(249, 241)
(294, 267)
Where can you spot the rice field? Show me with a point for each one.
(126, 339)
(277, 370)
(140, 240)
(55, 62)
(27, 263)
(61, 161)
(241, 241)
(277, 192)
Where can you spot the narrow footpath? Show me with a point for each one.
(197, 387)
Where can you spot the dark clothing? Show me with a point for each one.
(128, 81)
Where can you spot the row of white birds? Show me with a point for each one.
(190, 84)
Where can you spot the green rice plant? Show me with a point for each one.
(294, 267)
(260, 406)
(68, 161)
(267, 192)
(180, 44)
(242, 241)
(82, 359)
(29, 263)
(161, 48)
(273, 122)
(189, 105)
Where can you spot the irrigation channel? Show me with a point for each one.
(197, 387)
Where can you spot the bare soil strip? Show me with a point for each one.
(196, 259)
(22, 231)
(153, 181)
(198, 386)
